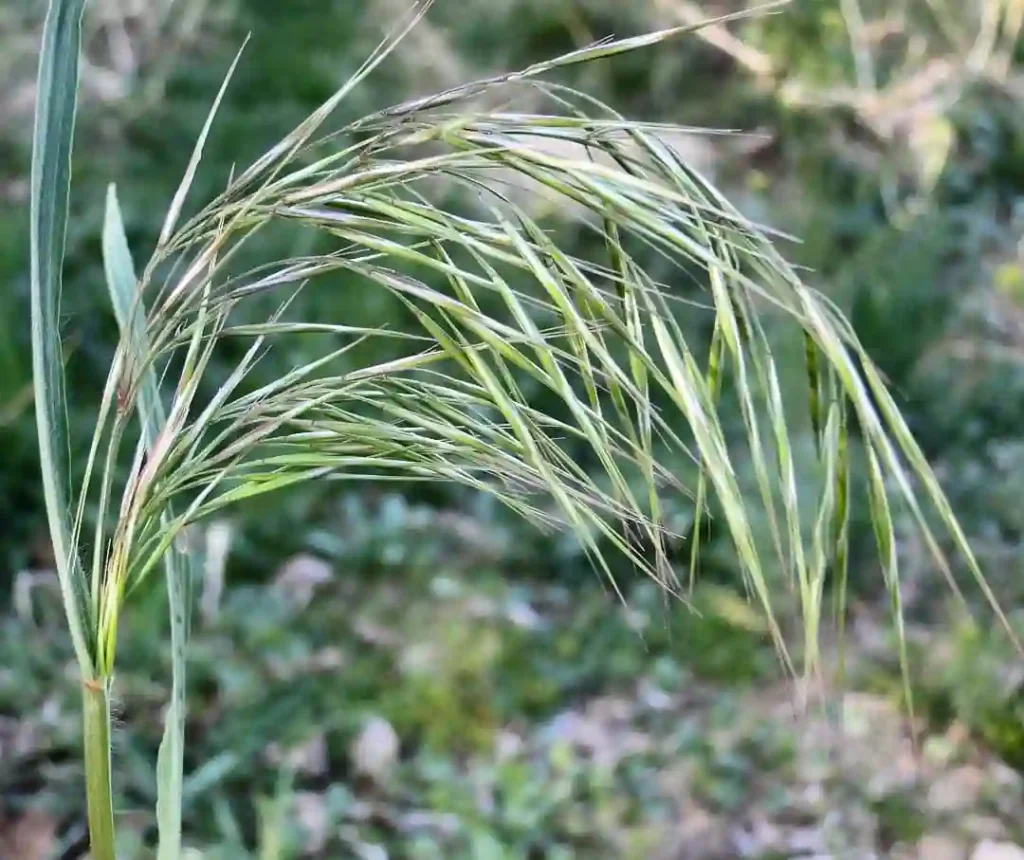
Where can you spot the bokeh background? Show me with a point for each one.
(408, 672)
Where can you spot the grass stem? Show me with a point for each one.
(96, 740)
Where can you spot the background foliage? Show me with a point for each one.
(413, 673)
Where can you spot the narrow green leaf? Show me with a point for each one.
(56, 96)
(131, 318)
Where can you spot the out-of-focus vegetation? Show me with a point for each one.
(413, 673)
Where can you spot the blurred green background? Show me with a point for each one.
(392, 672)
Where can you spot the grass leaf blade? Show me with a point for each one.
(56, 98)
(131, 319)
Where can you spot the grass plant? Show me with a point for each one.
(417, 200)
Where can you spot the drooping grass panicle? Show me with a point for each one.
(605, 336)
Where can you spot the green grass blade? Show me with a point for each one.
(51, 178)
(131, 319)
